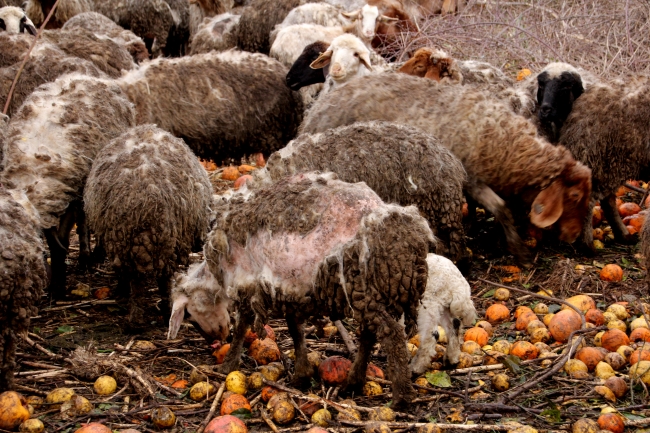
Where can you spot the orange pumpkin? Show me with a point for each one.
(640, 355)
(613, 339)
(597, 216)
(242, 181)
(264, 351)
(611, 272)
(524, 350)
(93, 427)
(478, 335)
(590, 356)
(226, 424)
(627, 209)
(374, 371)
(612, 422)
(563, 324)
(640, 334)
(595, 316)
(497, 313)
(334, 370)
(230, 173)
(524, 319)
(234, 402)
(521, 310)
(221, 353)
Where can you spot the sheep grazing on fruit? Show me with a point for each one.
(22, 279)
(147, 200)
(400, 163)
(503, 156)
(447, 301)
(51, 143)
(311, 245)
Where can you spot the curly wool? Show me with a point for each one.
(64, 11)
(147, 198)
(215, 34)
(14, 47)
(258, 20)
(54, 137)
(22, 279)
(241, 104)
(101, 25)
(400, 163)
(202, 9)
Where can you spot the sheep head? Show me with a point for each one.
(558, 86)
(14, 20)
(369, 20)
(345, 56)
(300, 75)
(427, 63)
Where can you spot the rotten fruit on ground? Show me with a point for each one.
(612, 422)
(234, 402)
(613, 339)
(497, 313)
(581, 302)
(264, 351)
(611, 272)
(221, 353)
(202, 390)
(383, 413)
(93, 427)
(236, 382)
(321, 417)
(641, 370)
(283, 412)
(478, 335)
(13, 410)
(33, 425)
(105, 385)
(374, 371)
(501, 294)
(76, 406)
(268, 392)
(198, 374)
(255, 381)
(590, 356)
(59, 396)
(500, 382)
(371, 388)
(617, 385)
(226, 424)
(163, 417)
(576, 369)
(563, 324)
(524, 350)
(272, 372)
(585, 425)
(334, 370)
(230, 173)
(605, 393)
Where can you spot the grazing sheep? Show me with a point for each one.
(305, 246)
(607, 130)
(103, 26)
(258, 20)
(37, 10)
(51, 143)
(14, 20)
(147, 200)
(347, 58)
(22, 279)
(400, 163)
(241, 104)
(447, 301)
(504, 157)
(216, 33)
(202, 9)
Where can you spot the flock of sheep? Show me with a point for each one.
(370, 164)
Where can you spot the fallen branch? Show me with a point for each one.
(345, 336)
(34, 344)
(413, 425)
(213, 408)
(267, 420)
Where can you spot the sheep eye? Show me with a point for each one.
(356, 54)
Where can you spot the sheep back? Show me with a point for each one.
(54, 137)
(14, 47)
(400, 163)
(257, 22)
(64, 11)
(147, 198)
(22, 279)
(216, 33)
(224, 105)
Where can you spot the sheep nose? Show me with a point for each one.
(546, 111)
(337, 71)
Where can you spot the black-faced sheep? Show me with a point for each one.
(104, 26)
(311, 245)
(147, 199)
(504, 157)
(447, 301)
(224, 105)
(51, 143)
(300, 74)
(258, 20)
(37, 10)
(14, 20)
(22, 279)
(216, 33)
(401, 164)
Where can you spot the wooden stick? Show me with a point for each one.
(412, 425)
(345, 336)
(267, 420)
(213, 408)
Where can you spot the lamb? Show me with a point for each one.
(104, 27)
(22, 279)
(447, 300)
(504, 157)
(310, 245)
(400, 163)
(37, 10)
(51, 143)
(216, 33)
(14, 20)
(147, 200)
(240, 106)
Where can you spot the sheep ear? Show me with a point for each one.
(433, 73)
(178, 312)
(385, 19)
(352, 16)
(365, 59)
(322, 60)
(547, 207)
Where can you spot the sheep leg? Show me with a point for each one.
(164, 282)
(427, 327)
(83, 232)
(394, 343)
(495, 205)
(621, 234)
(303, 369)
(587, 234)
(58, 241)
(136, 312)
(7, 358)
(99, 253)
(452, 329)
(357, 375)
(231, 362)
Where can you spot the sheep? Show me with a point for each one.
(4, 121)
(51, 143)
(22, 279)
(305, 246)
(447, 300)
(607, 130)
(291, 41)
(178, 41)
(37, 10)
(388, 29)
(300, 74)
(240, 105)
(323, 14)
(504, 157)
(16, 3)
(147, 200)
(347, 5)
(104, 27)
(216, 33)
(258, 20)
(400, 163)
(14, 20)
(202, 9)
(437, 65)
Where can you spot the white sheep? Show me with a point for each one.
(216, 33)
(447, 301)
(14, 20)
(290, 41)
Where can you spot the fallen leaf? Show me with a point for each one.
(439, 378)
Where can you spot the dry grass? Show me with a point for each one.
(607, 37)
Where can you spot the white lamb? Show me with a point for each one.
(446, 302)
